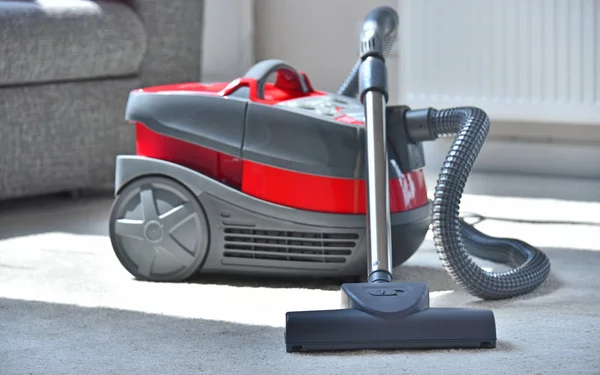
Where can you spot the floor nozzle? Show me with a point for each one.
(392, 315)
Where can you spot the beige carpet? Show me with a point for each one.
(68, 307)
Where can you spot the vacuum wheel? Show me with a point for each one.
(159, 230)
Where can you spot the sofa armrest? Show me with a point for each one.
(174, 40)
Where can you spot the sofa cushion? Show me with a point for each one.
(50, 41)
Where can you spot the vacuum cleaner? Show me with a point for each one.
(277, 178)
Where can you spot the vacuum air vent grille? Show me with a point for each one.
(289, 245)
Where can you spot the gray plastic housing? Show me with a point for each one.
(288, 135)
(299, 134)
(392, 315)
(251, 236)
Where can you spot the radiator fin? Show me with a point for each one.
(534, 60)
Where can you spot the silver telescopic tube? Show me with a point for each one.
(378, 213)
(377, 36)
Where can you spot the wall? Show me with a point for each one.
(228, 45)
(319, 37)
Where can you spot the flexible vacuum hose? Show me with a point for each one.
(455, 240)
(451, 234)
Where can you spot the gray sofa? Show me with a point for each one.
(66, 69)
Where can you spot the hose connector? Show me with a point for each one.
(419, 125)
(372, 76)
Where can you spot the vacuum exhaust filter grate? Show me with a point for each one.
(289, 245)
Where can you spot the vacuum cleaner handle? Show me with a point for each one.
(264, 69)
(380, 29)
(372, 81)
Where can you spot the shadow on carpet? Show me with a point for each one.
(45, 338)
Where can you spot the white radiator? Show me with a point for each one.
(519, 60)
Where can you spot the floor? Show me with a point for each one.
(68, 307)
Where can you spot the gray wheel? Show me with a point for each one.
(158, 230)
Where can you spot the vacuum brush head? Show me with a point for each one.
(392, 315)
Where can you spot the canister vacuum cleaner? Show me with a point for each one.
(261, 178)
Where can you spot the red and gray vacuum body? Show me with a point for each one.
(257, 177)
(278, 178)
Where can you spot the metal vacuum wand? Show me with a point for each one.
(378, 213)
(372, 79)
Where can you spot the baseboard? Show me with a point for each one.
(558, 170)
(537, 158)
(526, 186)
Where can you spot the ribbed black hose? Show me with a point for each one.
(350, 85)
(451, 234)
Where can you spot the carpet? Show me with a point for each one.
(68, 307)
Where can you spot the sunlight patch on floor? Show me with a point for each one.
(250, 306)
(63, 259)
(81, 270)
